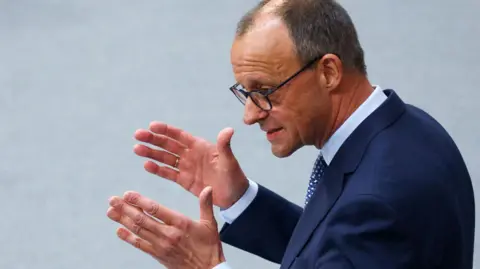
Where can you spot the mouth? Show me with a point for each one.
(272, 134)
(274, 130)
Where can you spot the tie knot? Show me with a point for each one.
(320, 161)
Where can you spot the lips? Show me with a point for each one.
(273, 134)
(274, 130)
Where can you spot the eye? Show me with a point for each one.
(263, 89)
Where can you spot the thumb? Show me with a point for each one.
(206, 205)
(223, 142)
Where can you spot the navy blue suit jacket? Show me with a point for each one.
(396, 195)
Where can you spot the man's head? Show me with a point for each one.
(274, 41)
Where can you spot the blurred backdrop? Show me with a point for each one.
(78, 77)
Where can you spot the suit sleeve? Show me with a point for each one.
(265, 227)
(364, 233)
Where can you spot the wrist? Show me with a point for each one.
(238, 192)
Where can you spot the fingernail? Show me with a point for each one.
(122, 233)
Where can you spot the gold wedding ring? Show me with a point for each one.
(176, 162)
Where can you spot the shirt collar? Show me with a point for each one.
(333, 144)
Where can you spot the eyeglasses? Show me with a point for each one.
(260, 96)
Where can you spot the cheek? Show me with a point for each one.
(280, 116)
(302, 107)
(308, 113)
(300, 111)
(291, 117)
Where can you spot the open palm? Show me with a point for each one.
(200, 163)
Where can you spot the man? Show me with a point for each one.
(389, 188)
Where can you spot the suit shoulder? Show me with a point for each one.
(414, 158)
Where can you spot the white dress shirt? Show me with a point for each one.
(328, 151)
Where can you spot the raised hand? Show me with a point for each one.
(171, 238)
(193, 162)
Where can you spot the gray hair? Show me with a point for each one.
(316, 27)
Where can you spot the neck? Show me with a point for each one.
(350, 94)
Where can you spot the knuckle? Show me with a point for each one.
(182, 223)
(140, 219)
(163, 249)
(159, 251)
(137, 242)
(174, 238)
(153, 209)
(132, 197)
(119, 207)
(136, 229)
(167, 250)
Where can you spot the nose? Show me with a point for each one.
(253, 113)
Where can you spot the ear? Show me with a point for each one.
(330, 69)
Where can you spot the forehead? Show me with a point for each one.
(267, 46)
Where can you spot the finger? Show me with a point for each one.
(157, 155)
(161, 141)
(116, 216)
(172, 132)
(161, 171)
(162, 246)
(135, 241)
(173, 175)
(137, 220)
(206, 205)
(152, 208)
(223, 142)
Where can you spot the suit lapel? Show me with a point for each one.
(345, 161)
(325, 196)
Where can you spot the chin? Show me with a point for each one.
(282, 150)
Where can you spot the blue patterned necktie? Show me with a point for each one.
(317, 174)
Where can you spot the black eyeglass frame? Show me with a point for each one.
(267, 92)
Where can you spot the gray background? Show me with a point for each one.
(78, 77)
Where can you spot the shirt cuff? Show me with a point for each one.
(230, 214)
(223, 265)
